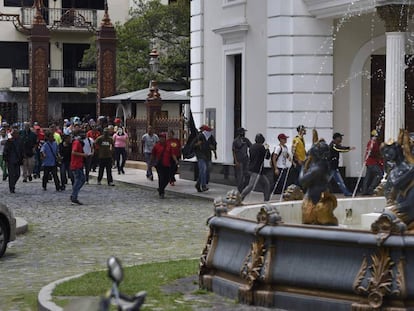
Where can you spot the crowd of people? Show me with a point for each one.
(287, 165)
(63, 153)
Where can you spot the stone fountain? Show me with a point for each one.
(266, 255)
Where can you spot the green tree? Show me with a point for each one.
(152, 25)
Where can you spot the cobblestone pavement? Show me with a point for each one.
(63, 240)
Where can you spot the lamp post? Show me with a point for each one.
(153, 101)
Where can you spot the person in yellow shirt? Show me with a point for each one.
(298, 152)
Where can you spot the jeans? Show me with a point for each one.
(202, 172)
(50, 170)
(120, 158)
(79, 177)
(372, 179)
(262, 180)
(340, 182)
(147, 156)
(163, 177)
(105, 164)
(28, 165)
(65, 172)
(242, 174)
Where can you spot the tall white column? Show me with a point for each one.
(394, 85)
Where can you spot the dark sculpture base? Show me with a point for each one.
(296, 267)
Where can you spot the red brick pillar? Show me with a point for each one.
(38, 71)
(106, 66)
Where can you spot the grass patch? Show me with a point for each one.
(149, 277)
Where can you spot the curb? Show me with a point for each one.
(44, 298)
(21, 226)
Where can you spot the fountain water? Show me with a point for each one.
(262, 254)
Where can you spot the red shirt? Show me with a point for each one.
(76, 161)
(175, 146)
(94, 134)
(373, 154)
(158, 150)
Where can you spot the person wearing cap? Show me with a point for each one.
(335, 149)
(105, 144)
(374, 165)
(163, 155)
(298, 152)
(203, 145)
(241, 146)
(279, 163)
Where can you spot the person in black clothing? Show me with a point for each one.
(29, 141)
(203, 145)
(240, 148)
(336, 148)
(13, 155)
(65, 152)
(258, 152)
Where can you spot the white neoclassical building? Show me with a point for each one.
(271, 65)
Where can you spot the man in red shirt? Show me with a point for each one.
(163, 157)
(175, 146)
(374, 164)
(76, 165)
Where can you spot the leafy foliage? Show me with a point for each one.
(152, 25)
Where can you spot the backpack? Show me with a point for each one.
(274, 157)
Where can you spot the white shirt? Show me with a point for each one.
(2, 145)
(88, 145)
(282, 161)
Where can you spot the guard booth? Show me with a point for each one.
(137, 109)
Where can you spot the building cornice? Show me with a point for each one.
(341, 8)
(232, 33)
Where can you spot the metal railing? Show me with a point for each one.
(58, 78)
(63, 17)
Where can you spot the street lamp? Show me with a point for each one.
(153, 101)
(154, 62)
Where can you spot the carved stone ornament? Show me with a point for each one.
(203, 266)
(386, 224)
(220, 206)
(377, 281)
(269, 215)
(233, 198)
(293, 193)
(251, 269)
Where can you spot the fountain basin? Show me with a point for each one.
(291, 266)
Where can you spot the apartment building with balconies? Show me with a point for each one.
(72, 25)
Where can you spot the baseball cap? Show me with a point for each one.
(282, 136)
(205, 127)
(241, 130)
(374, 133)
(336, 135)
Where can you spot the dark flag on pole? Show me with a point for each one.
(188, 151)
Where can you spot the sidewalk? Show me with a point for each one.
(135, 173)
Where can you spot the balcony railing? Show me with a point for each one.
(58, 78)
(62, 18)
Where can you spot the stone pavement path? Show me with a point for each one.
(63, 240)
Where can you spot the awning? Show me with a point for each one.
(141, 96)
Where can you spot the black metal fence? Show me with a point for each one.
(136, 128)
(58, 78)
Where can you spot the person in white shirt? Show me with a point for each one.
(281, 163)
(88, 149)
